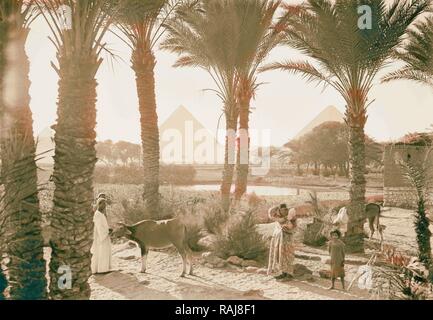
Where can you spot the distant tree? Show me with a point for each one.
(327, 145)
(104, 152)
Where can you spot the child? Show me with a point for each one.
(336, 251)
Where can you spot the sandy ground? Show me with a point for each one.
(162, 279)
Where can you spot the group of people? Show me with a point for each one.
(281, 254)
(282, 250)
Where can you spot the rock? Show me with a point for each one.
(208, 265)
(262, 271)
(235, 260)
(251, 269)
(349, 261)
(207, 241)
(130, 257)
(325, 274)
(221, 264)
(253, 293)
(212, 259)
(250, 263)
(299, 270)
(132, 244)
(308, 257)
(206, 254)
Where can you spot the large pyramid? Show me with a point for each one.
(184, 140)
(331, 113)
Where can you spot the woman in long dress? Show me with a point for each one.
(282, 252)
(101, 248)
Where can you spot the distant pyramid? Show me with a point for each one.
(331, 113)
(182, 137)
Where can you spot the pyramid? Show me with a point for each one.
(331, 113)
(181, 137)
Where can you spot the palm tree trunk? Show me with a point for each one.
(229, 166)
(355, 234)
(143, 63)
(74, 163)
(3, 33)
(423, 235)
(26, 267)
(243, 149)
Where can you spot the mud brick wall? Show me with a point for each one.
(397, 190)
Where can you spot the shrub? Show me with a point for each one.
(133, 211)
(193, 235)
(133, 174)
(214, 219)
(242, 239)
(254, 201)
(177, 174)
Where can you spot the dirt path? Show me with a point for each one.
(162, 281)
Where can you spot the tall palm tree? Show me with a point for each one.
(202, 33)
(78, 40)
(141, 23)
(257, 36)
(417, 55)
(348, 57)
(26, 267)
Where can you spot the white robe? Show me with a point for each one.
(101, 248)
(342, 220)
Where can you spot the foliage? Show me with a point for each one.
(416, 53)
(242, 239)
(193, 235)
(402, 278)
(326, 145)
(417, 175)
(133, 174)
(177, 174)
(215, 218)
(111, 153)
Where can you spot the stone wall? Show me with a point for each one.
(397, 191)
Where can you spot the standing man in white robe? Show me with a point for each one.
(101, 248)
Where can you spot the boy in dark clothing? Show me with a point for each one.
(336, 251)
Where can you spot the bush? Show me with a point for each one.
(177, 174)
(214, 219)
(133, 174)
(193, 235)
(254, 200)
(242, 240)
(134, 211)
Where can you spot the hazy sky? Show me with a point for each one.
(284, 104)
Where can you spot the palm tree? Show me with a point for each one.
(416, 53)
(26, 267)
(417, 174)
(142, 24)
(256, 36)
(202, 33)
(348, 57)
(78, 40)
